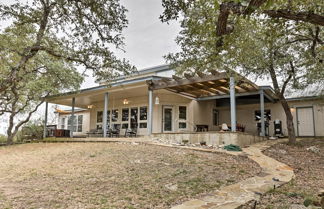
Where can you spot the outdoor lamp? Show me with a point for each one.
(157, 100)
(125, 102)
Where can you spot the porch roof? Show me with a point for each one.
(209, 86)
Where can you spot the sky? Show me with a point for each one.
(147, 40)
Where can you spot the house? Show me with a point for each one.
(155, 101)
(81, 125)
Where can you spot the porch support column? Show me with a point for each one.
(45, 121)
(104, 122)
(72, 118)
(233, 104)
(150, 112)
(262, 113)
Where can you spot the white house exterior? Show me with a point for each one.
(155, 101)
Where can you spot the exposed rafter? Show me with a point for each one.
(203, 85)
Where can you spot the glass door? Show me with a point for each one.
(167, 118)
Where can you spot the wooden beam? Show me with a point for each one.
(166, 80)
(188, 76)
(201, 74)
(214, 72)
(177, 78)
(204, 87)
(181, 82)
(192, 95)
(219, 86)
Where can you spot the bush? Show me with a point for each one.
(3, 139)
(32, 130)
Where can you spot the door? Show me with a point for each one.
(305, 121)
(167, 119)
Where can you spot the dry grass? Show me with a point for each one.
(112, 175)
(309, 179)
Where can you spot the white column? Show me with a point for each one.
(45, 120)
(262, 113)
(104, 122)
(150, 113)
(72, 118)
(233, 104)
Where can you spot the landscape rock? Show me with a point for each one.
(313, 149)
(282, 151)
(172, 187)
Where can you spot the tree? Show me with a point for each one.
(310, 11)
(79, 32)
(42, 76)
(46, 40)
(289, 52)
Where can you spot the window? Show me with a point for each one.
(143, 125)
(143, 113)
(182, 113)
(125, 114)
(134, 117)
(116, 126)
(63, 123)
(215, 117)
(182, 125)
(70, 124)
(125, 126)
(108, 117)
(182, 117)
(114, 115)
(80, 122)
(267, 115)
(99, 117)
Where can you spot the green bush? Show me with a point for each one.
(3, 139)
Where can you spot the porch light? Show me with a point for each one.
(90, 106)
(125, 102)
(157, 100)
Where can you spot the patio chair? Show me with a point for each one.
(91, 132)
(131, 132)
(115, 132)
(225, 127)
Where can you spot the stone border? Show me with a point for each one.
(274, 174)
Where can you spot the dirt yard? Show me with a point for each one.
(309, 170)
(112, 175)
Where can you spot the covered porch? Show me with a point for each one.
(159, 105)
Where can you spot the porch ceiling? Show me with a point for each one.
(83, 99)
(204, 85)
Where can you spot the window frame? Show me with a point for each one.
(215, 120)
(183, 120)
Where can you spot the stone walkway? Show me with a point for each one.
(273, 175)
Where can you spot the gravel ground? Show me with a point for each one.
(309, 171)
(112, 175)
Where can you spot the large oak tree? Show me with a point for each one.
(280, 40)
(46, 40)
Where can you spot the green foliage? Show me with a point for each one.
(45, 43)
(308, 202)
(3, 139)
(80, 32)
(32, 130)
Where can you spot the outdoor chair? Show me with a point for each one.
(131, 132)
(115, 132)
(91, 132)
(225, 127)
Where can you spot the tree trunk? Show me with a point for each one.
(10, 139)
(289, 121)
